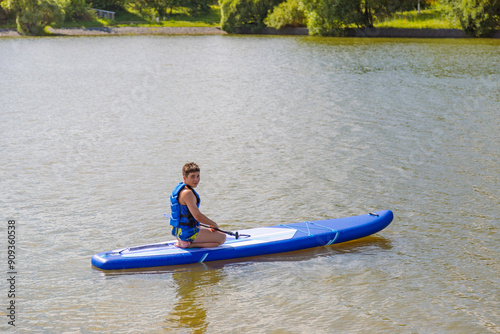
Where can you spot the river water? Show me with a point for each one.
(95, 130)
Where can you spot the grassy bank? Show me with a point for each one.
(432, 18)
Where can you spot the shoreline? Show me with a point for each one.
(361, 32)
(373, 32)
(121, 31)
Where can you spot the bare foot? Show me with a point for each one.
(182, 244)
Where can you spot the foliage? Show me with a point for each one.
(290, 13)
(112, 5)
(245, 13)
(76, 10)
(331, 17)
(196, 7)
(5, 14)
(32, 16)
(231, 14)
(11, 6)
(322, 17)
(160, 6)
(163, 8)
(478, 18)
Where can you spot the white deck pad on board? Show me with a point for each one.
(257, 236)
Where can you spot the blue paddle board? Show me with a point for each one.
(261, 241)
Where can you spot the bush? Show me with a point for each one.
(290, 13)
(331, 17)
(245, 14)
(479, 18)
(321, 26)
(35, 15)
(76, 10)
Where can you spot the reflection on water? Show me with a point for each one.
(193, 292)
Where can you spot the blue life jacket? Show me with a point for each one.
(180, 215)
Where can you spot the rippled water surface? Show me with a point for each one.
(94, 132)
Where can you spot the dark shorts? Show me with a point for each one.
(185, 233)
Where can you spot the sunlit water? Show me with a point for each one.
(94, 132)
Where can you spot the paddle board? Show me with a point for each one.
(262, 240)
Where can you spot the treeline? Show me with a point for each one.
(478, 18)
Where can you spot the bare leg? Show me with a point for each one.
(208, 239)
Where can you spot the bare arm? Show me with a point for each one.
(186, 197)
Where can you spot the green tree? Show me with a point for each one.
(478, 18)
(32, 16)
(9, 8)
(4, 14)
(245, 13)
(290, 13)
(160, 6)
(331, 17)
(196, 7)
(76, 10)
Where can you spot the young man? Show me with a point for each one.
(186, 215)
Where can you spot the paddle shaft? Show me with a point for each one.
(234, 234)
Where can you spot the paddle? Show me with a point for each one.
(234, 234)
